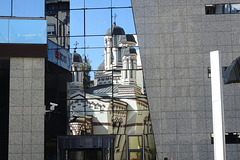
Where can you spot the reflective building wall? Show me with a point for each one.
(108, 107)
(23, 51)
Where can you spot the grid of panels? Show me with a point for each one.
(107, 94)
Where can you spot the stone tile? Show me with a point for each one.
(16, 97)
(15, 148)
(37, 149)
(16, 63)
(27, 138)
(38, 63)
(15, 123)
(16, 83)
(37, 123)
(169, 126)
(16, 73)
(15, 156)
(37, 138)
(27, 149)
(184, 138)
(38, 83)
(184, 126)
(38, 156)
(15, 138)
(38, 97)
(28, 63)
(199, 125)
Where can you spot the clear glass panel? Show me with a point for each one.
(94, 42)
(135, 155)
(76, 4)
(95, 57)
(4, 31)
(235, 8)
(222, 8)
(135, 142)
(98, 21)
(28, 31)
(124, 18)
(29, 8)
(5, 8)
(97, 3)
(121, 3)
(77, 22)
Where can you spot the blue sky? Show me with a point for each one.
(98, 21)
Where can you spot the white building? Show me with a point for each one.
(116, 103)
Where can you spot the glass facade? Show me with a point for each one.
(26, 31)
(106, 94)
(22, 8)
(23, 31)
(106, 103)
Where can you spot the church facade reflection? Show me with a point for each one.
(114, 103)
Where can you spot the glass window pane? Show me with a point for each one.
(135, 142)
(235, 8)
(28, 31)
(98, 21)
(121, 3)
(76, 22)
(28, 8)
(124, 19)
(4, 31)
(5, 8)
(95, 57)
(135, 155)
(97, 3)
(76, 4)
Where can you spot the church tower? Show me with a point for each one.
(129, 61)
(77, 68)
(112, 51)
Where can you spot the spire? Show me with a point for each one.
(115, 17)
(75, 44)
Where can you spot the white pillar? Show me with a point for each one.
(217, 106)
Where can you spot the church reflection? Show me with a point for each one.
(114, 104)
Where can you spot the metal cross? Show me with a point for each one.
(76, 43)
(115, 16)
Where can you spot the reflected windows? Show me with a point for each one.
(227, 8)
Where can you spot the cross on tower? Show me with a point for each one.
(75, 44)
(115, 17)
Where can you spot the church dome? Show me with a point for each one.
(76, 57)
(115, 30)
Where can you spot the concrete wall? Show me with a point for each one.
(26, 109)
(175, 38)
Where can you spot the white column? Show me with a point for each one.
(217, 106)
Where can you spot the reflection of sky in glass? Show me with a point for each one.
(4, 31)
(98, 21)
(27, 31)
(5, 8)
(76, 20)
(28, 8)
(99, 3)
